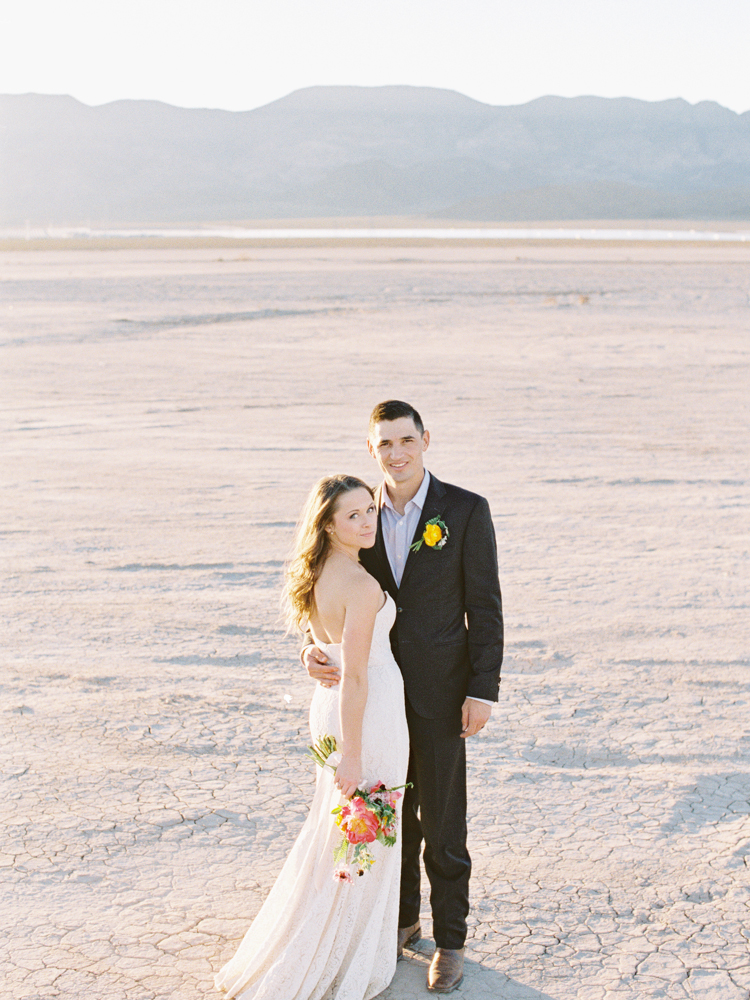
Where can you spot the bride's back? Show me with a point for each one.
(339, 580)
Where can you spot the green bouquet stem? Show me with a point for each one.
(322, 749)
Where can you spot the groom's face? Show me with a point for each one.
(398, 448)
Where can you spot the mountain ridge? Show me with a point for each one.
(354, 151)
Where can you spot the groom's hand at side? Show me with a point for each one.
(474, 716)
(319, 667)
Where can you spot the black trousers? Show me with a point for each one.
(435, 812)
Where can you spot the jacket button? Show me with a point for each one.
(399, 610)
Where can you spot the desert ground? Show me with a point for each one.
(164, 413)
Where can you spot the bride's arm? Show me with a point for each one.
(362, 604)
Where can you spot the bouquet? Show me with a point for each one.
(369, 815)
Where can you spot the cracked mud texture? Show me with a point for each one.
(163, 416)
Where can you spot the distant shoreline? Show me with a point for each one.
(374, 232)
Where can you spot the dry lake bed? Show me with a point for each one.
(164, 413)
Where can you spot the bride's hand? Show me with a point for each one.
(348, 775)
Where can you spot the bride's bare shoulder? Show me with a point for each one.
(349, 581)
(367, 585)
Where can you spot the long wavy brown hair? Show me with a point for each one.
(312, 546)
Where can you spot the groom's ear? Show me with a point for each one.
(370, 447)
(425, 440)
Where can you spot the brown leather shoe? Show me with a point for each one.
(407, 936)
(446, 970)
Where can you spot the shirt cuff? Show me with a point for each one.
(483, 700)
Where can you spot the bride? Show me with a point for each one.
(319, 936)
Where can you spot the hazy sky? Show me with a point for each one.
(240, 54)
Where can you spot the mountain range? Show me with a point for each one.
(365, 152)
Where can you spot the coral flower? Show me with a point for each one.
(432, 534)
(360, 824)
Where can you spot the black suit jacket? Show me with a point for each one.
(448, 634)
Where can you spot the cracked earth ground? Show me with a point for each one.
(163, 415)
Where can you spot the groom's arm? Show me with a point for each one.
(482, 604)
(317, 664)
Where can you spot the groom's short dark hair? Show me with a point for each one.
(392, 409)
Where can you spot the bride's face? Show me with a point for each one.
(355, 521)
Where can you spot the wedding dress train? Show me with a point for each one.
(316, 938)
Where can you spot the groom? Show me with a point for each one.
(436, 555)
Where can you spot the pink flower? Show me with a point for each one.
(379, 793)
(359, 823)
(342, 874)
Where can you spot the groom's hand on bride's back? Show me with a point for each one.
(319, 667)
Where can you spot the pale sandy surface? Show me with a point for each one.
(163, 415)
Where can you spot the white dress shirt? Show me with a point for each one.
(398, 531)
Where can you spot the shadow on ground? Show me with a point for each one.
(479, 983)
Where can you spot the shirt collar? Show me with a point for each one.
(418, 499)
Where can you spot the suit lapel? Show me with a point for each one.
(433, 507)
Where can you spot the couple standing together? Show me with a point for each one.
(399, 590)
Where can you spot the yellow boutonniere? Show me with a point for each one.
(435, 535)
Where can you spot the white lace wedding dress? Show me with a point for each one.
(315, 938)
